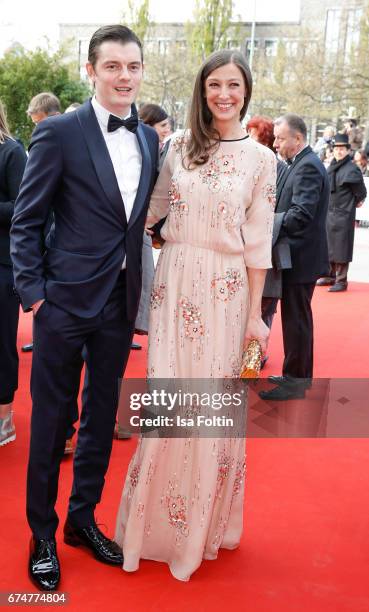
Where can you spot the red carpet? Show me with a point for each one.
(306, 539)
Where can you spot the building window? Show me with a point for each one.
(292, 47)
(181, 44)
(163, 45)
(83, 44)
(332, 30)
(353, 31)
(271, 47)
(248, 48)
(234, 44)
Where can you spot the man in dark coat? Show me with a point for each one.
(302, 197)
(347, 193)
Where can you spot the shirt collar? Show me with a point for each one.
(299, 153)
(103, 114)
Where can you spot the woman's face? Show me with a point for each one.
(162, 129)
(225, 93)
(359, 161)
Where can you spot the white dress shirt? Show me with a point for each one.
(125, 155)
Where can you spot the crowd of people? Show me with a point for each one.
(249, 217)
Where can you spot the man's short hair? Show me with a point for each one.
(117, 33)
(294, 122)
(45, 102)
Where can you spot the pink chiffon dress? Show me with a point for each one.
(183, 497)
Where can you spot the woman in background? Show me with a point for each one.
(12, 163)
(156, 116)
(261, 129)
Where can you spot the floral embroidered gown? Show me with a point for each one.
(183, 497)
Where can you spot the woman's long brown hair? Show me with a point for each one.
(4, 129)
(203, 139)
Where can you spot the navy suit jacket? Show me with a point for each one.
(69, 172)
(303, 195)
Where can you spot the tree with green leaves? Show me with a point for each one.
(138, 17)
(170, 75)
(25, 74)
(212, 27)
(322, 85)
(168, 81)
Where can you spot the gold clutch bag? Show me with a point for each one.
(251, 360)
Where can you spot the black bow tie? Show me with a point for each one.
(114, 123)
(289, 162)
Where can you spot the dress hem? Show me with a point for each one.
(135, 566)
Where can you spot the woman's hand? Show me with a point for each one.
(150, 221)
(257, 330)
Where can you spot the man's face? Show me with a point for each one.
(287, 142)
(117, 75)
(328, 133)
(340, 152)
(162, 129)
(359, 161)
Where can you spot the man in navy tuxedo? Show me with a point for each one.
(95, 168)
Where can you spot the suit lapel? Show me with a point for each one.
(281, 179)
(145, 177)
(100, 157)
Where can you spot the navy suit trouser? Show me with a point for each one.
(59, 338)
(298, 331)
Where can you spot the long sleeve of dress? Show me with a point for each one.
(258, 227)
(160, 199)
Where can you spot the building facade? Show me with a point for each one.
(331, 24)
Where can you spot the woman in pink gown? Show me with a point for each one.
(183, 497)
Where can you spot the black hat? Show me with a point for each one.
(341, 140)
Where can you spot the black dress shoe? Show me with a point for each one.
(102, 548)
(338, 287)
(27, 348)
(135, 346)
(140, 332)
(305, 383)
(43, 567)
(279, 394)
(325, 281)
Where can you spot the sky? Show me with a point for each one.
(30, 23)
